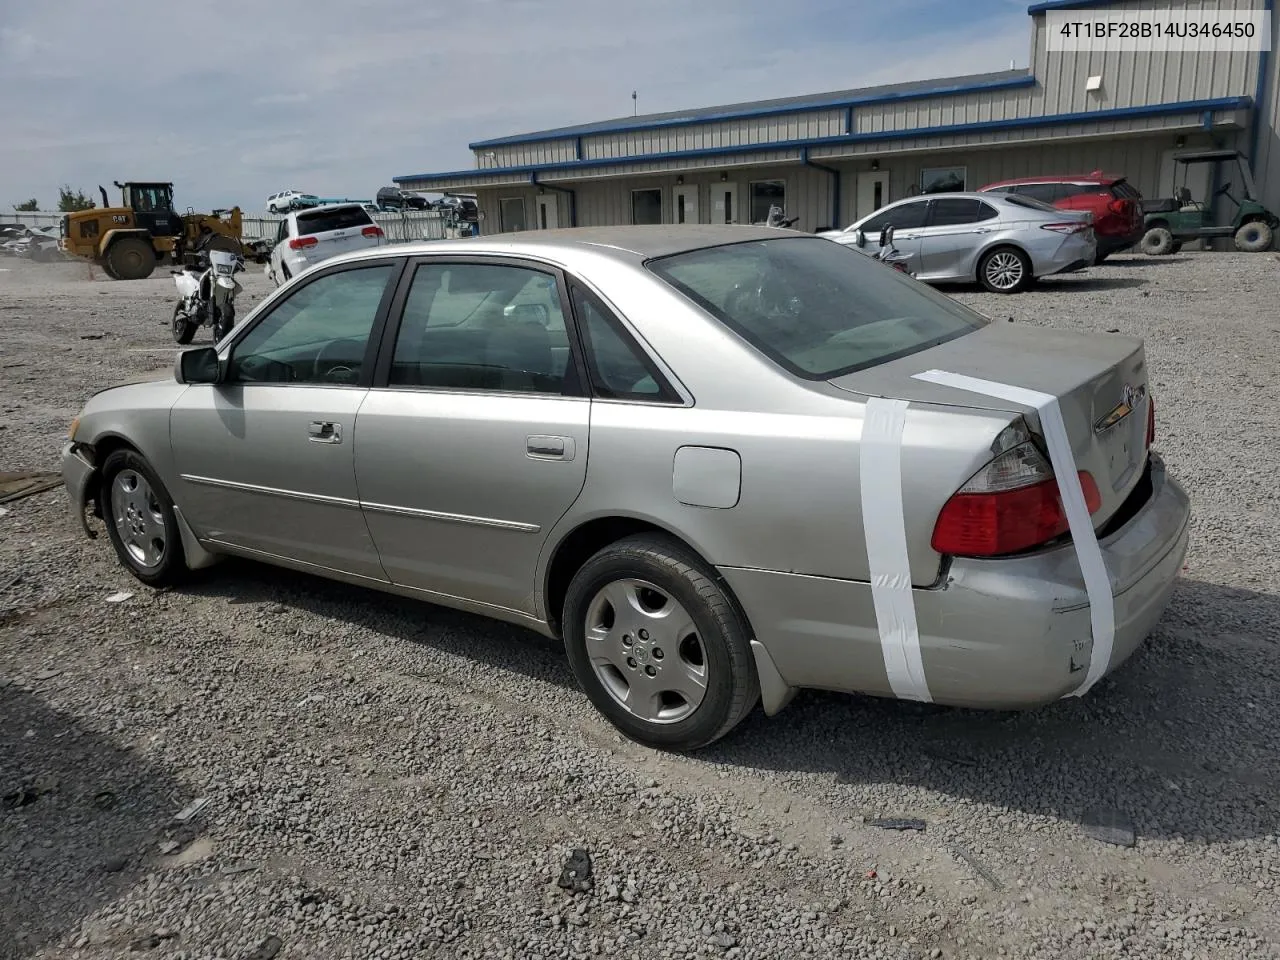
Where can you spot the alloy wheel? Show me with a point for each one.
(138, 519)
(1004, 270)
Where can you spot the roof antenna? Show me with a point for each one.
(634, 106)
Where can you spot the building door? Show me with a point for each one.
(547, 211)
(684, 205)
(873, 192)
(724, 203)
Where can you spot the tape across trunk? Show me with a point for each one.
(885, 528)
(1097, 582)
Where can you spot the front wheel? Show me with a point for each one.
(138, 513)
(1005, 270)
(658, 645)
(183, 328)
(224, 318)
(1157, 242)
(1253, 237)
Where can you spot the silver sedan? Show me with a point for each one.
(722, 463)
(1004, 242)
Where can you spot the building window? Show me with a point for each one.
(646, 205)
(766, 194)
(511, 214)
(943, 179)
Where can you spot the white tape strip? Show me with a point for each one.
(1097, 582)
(885, 526)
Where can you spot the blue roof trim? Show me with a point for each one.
(1067, 5)
(1088, 116)
(712, 115)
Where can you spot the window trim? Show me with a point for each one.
(577, 389)
(661, 201)
(667, 395)
(376, 331)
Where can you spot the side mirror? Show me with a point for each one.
(860, 238)
(198, 365)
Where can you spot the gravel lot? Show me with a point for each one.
(388, 779)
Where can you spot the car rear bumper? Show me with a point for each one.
(1065, 257)
(994, 634)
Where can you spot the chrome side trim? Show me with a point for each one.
(414, 512)
(272, 491)
(452, 517)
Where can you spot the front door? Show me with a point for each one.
(724, 203)
(953, 235)
(266, 457)
(547, 210)
(476, 443)
(684, 204)
(873, 192)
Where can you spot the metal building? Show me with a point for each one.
(832, 158)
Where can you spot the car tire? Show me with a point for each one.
(1101, 257)
(1005, 270)
(183, 328)
(1177, 245)
(141, 524)
(223, 321)
(1157, 242)
(680, 627)
(1254, 237)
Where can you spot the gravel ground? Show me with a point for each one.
(386, 779)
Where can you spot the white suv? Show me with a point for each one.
(307, 237)
(286, 200)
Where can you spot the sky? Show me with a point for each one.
(240, 99)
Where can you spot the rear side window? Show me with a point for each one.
(1124, 190)
(1044, 192)
(949, 211)
(323, 220)
(817, 309)
(1081, 189)
(618, 369)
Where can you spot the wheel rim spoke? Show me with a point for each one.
(645, 650)
(139, 521)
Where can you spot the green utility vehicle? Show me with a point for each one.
(1172, 221)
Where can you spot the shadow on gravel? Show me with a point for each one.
(77, 816)
(1184, 738)
(1081, 283)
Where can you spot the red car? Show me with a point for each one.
(1116, 205)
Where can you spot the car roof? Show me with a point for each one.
(632, 244)
(1099, 178)
(331, 206)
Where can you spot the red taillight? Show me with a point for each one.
(1151, 420)
(371, 232)
(298, 243)
(1075, 226)
(1010, 505)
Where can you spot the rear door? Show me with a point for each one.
(950, 240)
(472, 443)
(337, 230)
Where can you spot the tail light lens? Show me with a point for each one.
(1151, 420)
(371, 231)
(1010, 505)
(1075, 226)
(300, 243)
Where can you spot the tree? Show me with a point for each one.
(27, 205)
(69, 200)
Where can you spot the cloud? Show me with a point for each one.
(337, 98)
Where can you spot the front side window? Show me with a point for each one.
(511, 214)
(766, 194)
(816, 308)
(646, 206)
(472, 326)
(318, 334)
(905, 216)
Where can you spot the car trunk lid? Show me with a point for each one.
(1100, 382)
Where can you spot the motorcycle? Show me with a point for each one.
(888, 254)
(207, 290)
(776, 218)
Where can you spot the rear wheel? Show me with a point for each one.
(1005, 270)
(183, 328)
(1157, 242)
(131, 259)
(1100, 257)
(1254, 237)
(140, 521)
(658, 645)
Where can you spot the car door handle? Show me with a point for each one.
(550, 448)
(984, 230)
(324, 431)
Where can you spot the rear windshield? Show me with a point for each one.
(326, 219)
(815, 307)
(1124, 190)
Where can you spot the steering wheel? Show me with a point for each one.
(335, 353)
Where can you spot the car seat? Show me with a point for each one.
(522, 350)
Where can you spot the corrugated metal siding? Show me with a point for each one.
(708, 136)
(1266, 170)
(527, 154)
